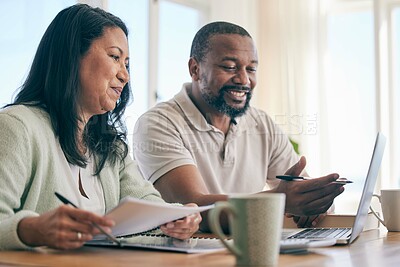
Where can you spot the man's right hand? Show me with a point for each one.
(309, 197)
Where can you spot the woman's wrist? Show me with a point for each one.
(27, 232)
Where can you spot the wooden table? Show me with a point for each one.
(373, 248)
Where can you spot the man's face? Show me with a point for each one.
(227, 75)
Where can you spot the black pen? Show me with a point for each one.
(66, 201)
(300, 178)
(290, 177)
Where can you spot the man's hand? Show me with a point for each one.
(310, 221)
(306, 221)
(297, 168)
(308, 197)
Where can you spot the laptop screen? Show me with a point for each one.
(369, 186)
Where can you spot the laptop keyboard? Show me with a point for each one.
(317, 233)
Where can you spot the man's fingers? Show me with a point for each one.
(297, 168)
(324, 193)
(315, 202)
(317, 184)
(318, 207)
(318, 219)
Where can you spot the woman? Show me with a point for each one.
(64, 133)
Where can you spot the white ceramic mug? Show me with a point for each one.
(255, 222)
(390, 203)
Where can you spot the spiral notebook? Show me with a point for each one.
(162, 242)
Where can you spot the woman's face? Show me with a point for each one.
(103, 73)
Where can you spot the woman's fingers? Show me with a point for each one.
(71, 240)
(180, 233)
(64, 228)
(81, 221)
(183, 228)
(89, 217)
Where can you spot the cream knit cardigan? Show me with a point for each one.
(33, 167)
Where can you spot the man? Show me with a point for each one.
(207, 142)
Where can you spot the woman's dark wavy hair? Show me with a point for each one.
(53, 84)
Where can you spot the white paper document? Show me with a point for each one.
(133, 215)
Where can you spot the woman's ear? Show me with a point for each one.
(194, 69)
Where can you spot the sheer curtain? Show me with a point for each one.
(328, 76)
(290, 67)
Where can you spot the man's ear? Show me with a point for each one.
(194, 69)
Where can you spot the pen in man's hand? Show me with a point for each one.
(299, 178)
(290, 177)
(66, 201)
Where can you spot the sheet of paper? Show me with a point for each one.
(136, 215)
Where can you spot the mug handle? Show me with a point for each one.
(374, 212)
(213, 220)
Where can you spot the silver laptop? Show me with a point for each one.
(348, 235)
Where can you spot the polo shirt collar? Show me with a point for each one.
(196, 118)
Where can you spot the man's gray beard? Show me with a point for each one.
(221, 106)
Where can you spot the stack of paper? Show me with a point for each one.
(133, 215)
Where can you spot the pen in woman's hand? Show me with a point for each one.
(66, 201)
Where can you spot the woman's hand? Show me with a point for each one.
(184, 228)
(63, 228)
